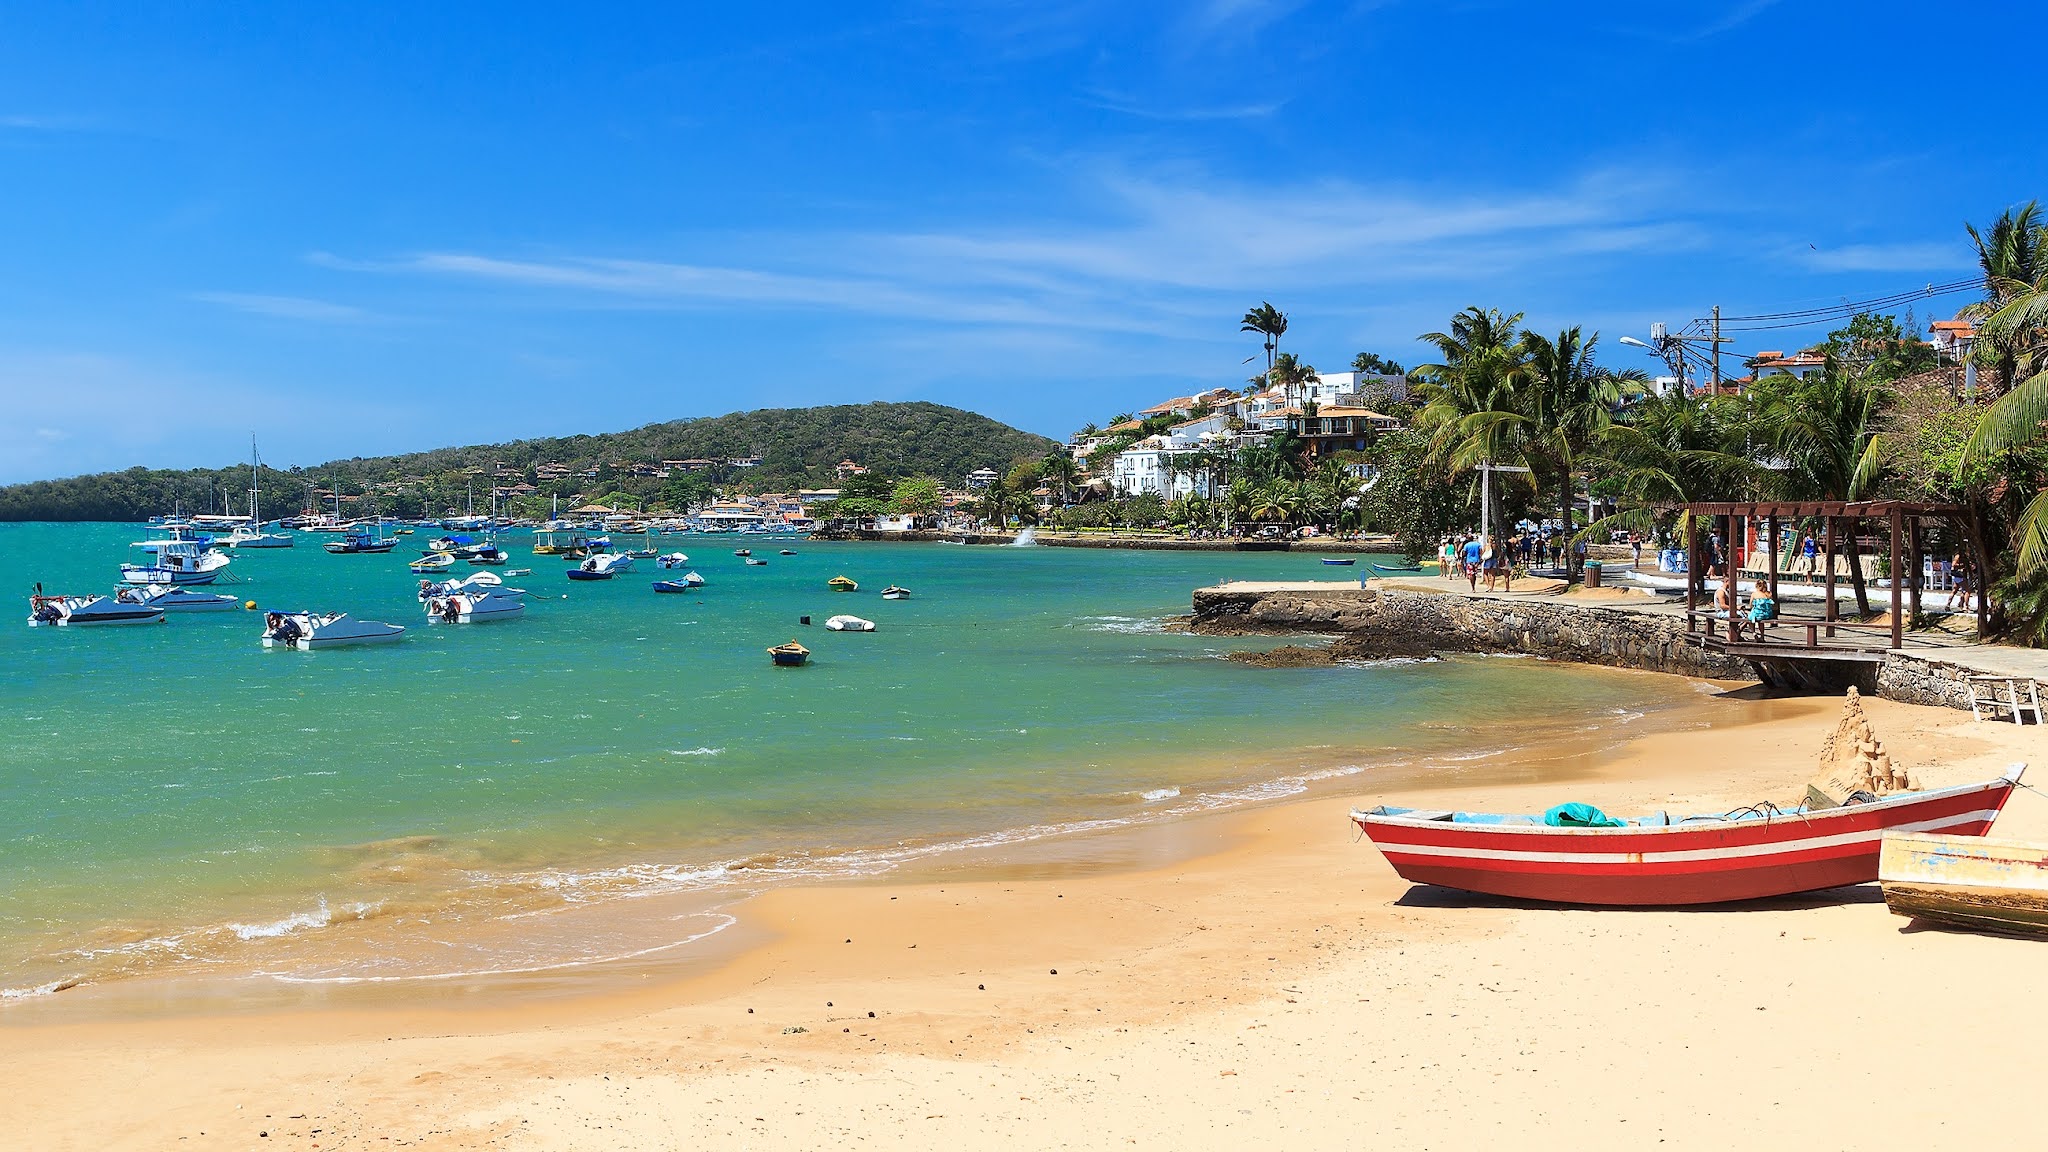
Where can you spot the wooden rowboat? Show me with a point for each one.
(1662, 860)
(790, 655)
(842, 584)
(1968, 882)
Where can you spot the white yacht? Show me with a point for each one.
(309, 630)
(175, 561)
(78, 611)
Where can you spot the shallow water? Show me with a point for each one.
(177, 798)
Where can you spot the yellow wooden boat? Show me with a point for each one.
(842, 584)
(1966, 881)
(790, 655)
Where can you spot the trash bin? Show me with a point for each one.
(1592, 573)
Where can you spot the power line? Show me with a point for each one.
(1800, 318)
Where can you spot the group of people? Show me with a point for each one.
(1496, 559)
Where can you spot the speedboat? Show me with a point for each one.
(309, 630)
(755, 560)
(435, 562)
(672, 560)
(892, 592)
(842, 584)
(488, 554)
(603, 566)
(849, 624)
(790, 655)
(78, 611)
(172, 598)
(472, 584)
(359, 542)
(478, 607)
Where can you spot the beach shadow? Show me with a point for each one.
(1431, 896)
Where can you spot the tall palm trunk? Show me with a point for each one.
(1855, 555)
(1564, 517)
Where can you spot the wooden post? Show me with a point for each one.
(1914, 545)
(1771, 527)
(1692, 564)
(1829, 552)
(1898, 524)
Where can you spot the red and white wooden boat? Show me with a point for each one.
(1760, 851)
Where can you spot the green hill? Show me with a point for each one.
(795, 447)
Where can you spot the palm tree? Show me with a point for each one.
(1470, 398)
(2015, 420)
(1824, 431)
(1269, 322)
(1060, 473)
(1570, 399)
(1671, 450)
(2013, 254)
(1291, 376)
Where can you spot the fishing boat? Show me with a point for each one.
(743, 551)
(601, 567)
(1966, 881)
(849, 624)
(359, 543)
(892, 592)
(1752, 852)
(1340, 561)
(476, 607)
(306, 631)
(432, 563)
(189, 560)
(1396, 569)
(842, 584)
(172, 598)
(673, 586)
(80, 611)
(790, 655)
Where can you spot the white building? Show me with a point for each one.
(981, 478)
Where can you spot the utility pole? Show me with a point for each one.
(1716, 385)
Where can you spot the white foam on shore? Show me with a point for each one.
(1158, 794)
(726, 920)
(699, 751)
(1127, 625)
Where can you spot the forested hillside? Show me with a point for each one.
(795, 447)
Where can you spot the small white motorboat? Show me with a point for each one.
(476, 607)
(849, 624)
(602, 566)
(79, 611)
(672, 560)
(176, 562)
(474, 583)
(172, 598)
(434, 562)
(306, 631)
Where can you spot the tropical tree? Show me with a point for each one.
(2013, 254)
(1373, 364)
(1671, 449)
(1269, 322)
(1060, 473)
(1470, 396)
(2015, 421)
(918, 496)
(1568, 400)
(1292, 377)
(1823, 431)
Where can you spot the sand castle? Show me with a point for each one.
(1854, 760)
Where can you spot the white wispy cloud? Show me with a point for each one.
(287, 307)
(1902, 257)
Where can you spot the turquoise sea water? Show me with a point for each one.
(176, 797)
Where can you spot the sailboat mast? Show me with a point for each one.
(255, 500)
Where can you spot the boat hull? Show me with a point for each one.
(580, 574)
(1711, 862)
(1338, 563)
(1967, 882)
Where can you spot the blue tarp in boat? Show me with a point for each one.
(1580, 816)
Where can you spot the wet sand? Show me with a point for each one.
(1255, 978)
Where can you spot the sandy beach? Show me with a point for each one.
(1257, 978)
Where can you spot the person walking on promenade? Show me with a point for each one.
(1959, 582)
(1489, 561)
(1469, 554)
(1446, 556)
(1809, 557)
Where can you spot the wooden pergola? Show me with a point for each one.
(1905, 520)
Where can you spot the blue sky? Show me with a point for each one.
(383, 228)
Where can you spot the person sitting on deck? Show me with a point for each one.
(1762, 608)
(1724, 596)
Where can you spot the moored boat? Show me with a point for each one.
(478, 607)
(359, 543)
(306, 631)
(475, 582)
(603, 566)
(1341, 561)
(1396, 569)
(176, 561)
(673, 586)
(1966, 881)
(433, 562)
(489, 555)
(743, 551)
(672, 560)
(789, 552)
(790, 655)
(892, 592)
(756, 561)
(842, 584)
(1660, 860)
(172, 598)
(82, 611)
(849, 624)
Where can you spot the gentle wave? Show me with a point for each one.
(696, 751)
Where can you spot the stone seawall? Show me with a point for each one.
(1561, 631)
